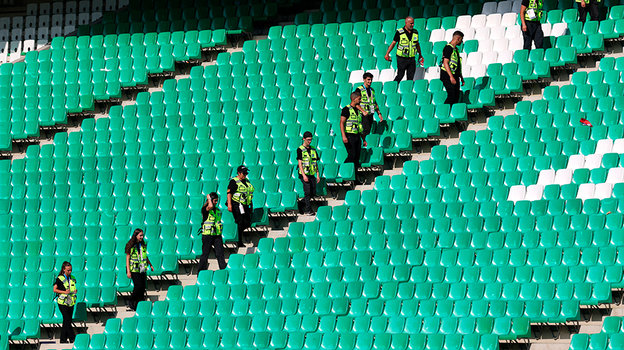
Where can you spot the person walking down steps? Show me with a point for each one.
(531, 15)
(352, 131)
(240, 201)
(212, 229)
(368, 103)
(451, 69)
(65, 289)
(307, 160)
(408, 45)
(137, 263)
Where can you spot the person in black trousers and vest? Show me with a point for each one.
(588, 6)
(531, 16)
(240, 201)
(451, 69)
(136, 266)
(307, 162)
(408, 45)
(212, 229)
(352, 130)
(65, 289)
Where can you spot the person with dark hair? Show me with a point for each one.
(65, 289)
(212, 228)
(531, 15)
(136, 266)
(240, 201)
(307, 160)
(408, 45)
(352, 130)
(588, 6)
(368, 104)
(451, 68)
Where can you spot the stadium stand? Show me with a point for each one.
(508, 228)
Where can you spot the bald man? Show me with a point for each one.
(408, 45)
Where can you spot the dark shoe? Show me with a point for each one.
(64, 341)
(240, 244)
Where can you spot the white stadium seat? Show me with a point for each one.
(516, 193)
(534, 192)
(563, 176)
(463, 22)
(559, 29)
(469, 34)
(29, 45)
(16, 34)
(604, 146)
(513, 32)
(509, 19)
(4, 51)
(478, 21)
(387, 75)
(437, 35)
(493, 20)
(42, 37)
(515, 44)
(618, 146)
(31, 9)
(44, 21)
(44, 8)
(56, 31)
(501, 44)
(84, 19)
(56, 21)
(603, 191)
(70, 20)
(15, 50)
(490, 57)
(593, 161)
(17, 22)
(576, 161)
(505, 57)
(546, 177)
(546, 29)
(489, 8)
(4, 35)
(586, 191)
(478, 70)
(57, 8)
(615, 176)
(432, 73)
(29, 34)
(466, 71)
(84, 6)
(498, 33)
(5, 23)
(375, 73)
(474, 58)
(71, 7)
(486, 45)
(356, 76)
(482, 33)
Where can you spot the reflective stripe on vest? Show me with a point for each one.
(68, 299)
(534, 11)
(368, 103)
(244, 192)
(406, 47)
(309, 160)
(454, 62)
(213, 225)
(138, 263)
(354, 122)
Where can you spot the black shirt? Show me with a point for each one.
(447, 53)
(300, 153)
(525, 3)
(59, 284)
(408, 33)
(345, 112)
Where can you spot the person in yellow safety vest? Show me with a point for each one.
(531, 15)
(240, 201)
(65, 289)
(588, 6)
(136, 266)
(451, 68)
(408, 45)
(352, 130)
(212, 229)
(368, 104)
(307, 160)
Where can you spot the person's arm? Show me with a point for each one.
(305, 177)
(128, 273)
(421, 60)
(389, 50)
(359, 107)
(522, 12)
(343, 121)
(150, 264)
(229, 201)
(59, 291)
(448, 70)
(363, 140)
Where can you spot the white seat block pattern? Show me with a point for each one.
(563, 177)
(603, 191)
(586, 191)
(618, 146)
(604, 146)
(516, 193)
(534, 192)
(593, 161)
(615, 176)
(546, 177)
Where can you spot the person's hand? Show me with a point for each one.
(453, 81)
(421, 61)
(152, 267)
(344, 139)
(129, 274)
(380, 116)
(582, 3)
(318, 179)
(364, 143)
(230, 207)
(524, 27)
(305, 178)
(387, 57)
(463, 82)
(364, 112)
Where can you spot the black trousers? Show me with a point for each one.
(405, 64)
(354, 148)
(209, 242)
(309, 190)
(243, 220)
(67, 332)
(452, 91)
(367, 123)
(139, 280)
(591, 8)
(533, 33)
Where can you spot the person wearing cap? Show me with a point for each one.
(352, 130)
(307, 159)
(531, 15)
(368, 105)
(239, 201)
(211, 230)
(408, 45)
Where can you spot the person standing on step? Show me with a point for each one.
(408, 45)
(588, 6)
(212, 229)
(451, 69)
(65, 289)
(307, 159)
(240, 201)
(368, 103)
(136, 266)
(531, 15)
(352, 130)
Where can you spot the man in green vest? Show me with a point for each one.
(307, 159)
(588, 6)
(212, 228)
(531, 15)
(352, 130)
(408, 45)
(368, 104)
(240, 201)
(451, 68)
